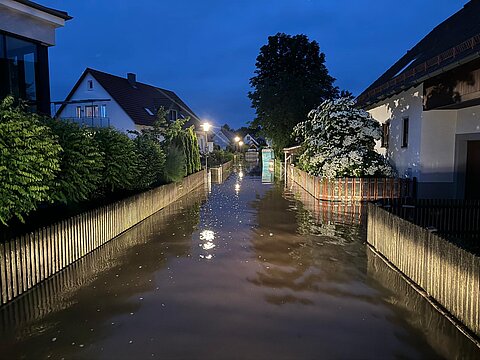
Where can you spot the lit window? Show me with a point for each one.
(91, 111)
(173, 115)
(405, 132)
(90, 84)
(149, 112)
(79, 111)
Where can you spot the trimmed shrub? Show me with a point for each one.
(120, 158)
(81, 163)
(151, 160)
(29, 161)
(174, 170)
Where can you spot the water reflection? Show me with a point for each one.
(75, 307)
(256, 274)
(440, 333)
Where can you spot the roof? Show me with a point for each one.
(452, 43)
(230, 135)
(61, 14)
(134, 99)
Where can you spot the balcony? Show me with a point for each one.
(94, 122)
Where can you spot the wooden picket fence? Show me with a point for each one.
(351, 189)
(448, 274)
(31, 258)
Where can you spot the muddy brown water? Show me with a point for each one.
(245, 270)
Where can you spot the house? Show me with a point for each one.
(100, 99)
(254, 142)
(428, 103)
(27, 30)
(223, 138)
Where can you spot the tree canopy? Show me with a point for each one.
(290, 79)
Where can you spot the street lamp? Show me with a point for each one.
(236, 139)
(206, 127)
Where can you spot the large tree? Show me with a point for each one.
(290, 79)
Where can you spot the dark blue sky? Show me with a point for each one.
(205, 50)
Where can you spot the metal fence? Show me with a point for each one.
(31, 258)
(447, 273)
(449, 217)
(351, 189)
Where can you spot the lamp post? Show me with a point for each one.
(206, 127)
(236, 139)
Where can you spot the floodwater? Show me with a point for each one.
(245, 270)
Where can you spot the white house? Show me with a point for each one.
(429, 105)
(27, 30)
(100, 99)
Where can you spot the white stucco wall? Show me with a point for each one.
(20, 19)
(438, 146)
(406, 104)
(118, 117)
(468, 120)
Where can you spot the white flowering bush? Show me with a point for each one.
(338, 141)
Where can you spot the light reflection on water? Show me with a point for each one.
(286, 278)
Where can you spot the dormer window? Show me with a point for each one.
(149, 112)
(173, 115)
(89, 84)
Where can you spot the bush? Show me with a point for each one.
(174, 170)
(151, 160)
(29, 161)
(339, 140)
(219, 157)
(120, 158)
(81, 162)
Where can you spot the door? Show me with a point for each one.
(472, 180)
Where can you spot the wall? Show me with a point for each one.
(437, 155)
(445, 272)
(406, 104)
(118, 117)
(29, 259)
(31, 23)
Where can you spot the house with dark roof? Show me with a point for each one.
(100, 99)
(428, 103)
(222, 137)
(27, 30)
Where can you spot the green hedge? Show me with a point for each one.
(44, 160)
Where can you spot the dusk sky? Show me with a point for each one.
(205, 51)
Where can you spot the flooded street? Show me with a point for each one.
(247, 270)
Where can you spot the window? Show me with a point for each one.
(103, 111)
(405, 132)
(173, 115)
(91, 111)
(385, 134)
(89, 84)
(79, 112)
(149, 112)
(18, 68)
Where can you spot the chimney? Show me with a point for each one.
(132, 79)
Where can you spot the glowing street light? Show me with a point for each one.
(237, 139)
(206, 126)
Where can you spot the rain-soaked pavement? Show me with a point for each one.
(247, 270)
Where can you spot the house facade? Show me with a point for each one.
(428, 103)
(27, 30)
(99, 99)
